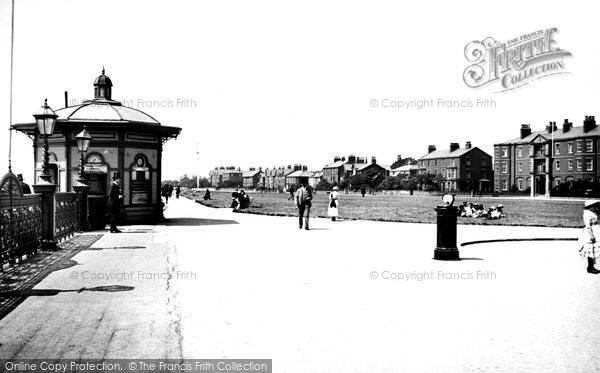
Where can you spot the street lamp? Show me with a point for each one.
(81, 188)
(83, 142)
(45, 119)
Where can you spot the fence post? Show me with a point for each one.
(48, 229)
(82, 206)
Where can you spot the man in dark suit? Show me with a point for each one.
(114, 203)
(24, 186)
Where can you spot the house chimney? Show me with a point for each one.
(66, 99)
(399, 158)
(589, 123)
(344, 159)
(337, 158)
(304, 168)
(454, 146)
(551, 127)
(351, 158)
(567, 126)
(525, 130)
(468, 145)
(430, 149)
(373, 160)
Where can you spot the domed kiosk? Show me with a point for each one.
(126, 143)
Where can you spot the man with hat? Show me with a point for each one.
(114, 202)
(24, 186)
(590, 237)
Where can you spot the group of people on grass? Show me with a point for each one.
(239, 200)
(476, 210)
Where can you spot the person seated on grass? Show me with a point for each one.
(244, 200)
(477, 211)
(469, 210)
(500, 211)
(235, 200)
(494, 213)
(461, 211)
(207, 195)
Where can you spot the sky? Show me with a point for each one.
(265, 83)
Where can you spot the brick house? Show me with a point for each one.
(541, 160)
(466, 169)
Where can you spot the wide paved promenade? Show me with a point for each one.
(348, 296)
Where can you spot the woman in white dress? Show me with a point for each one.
(590, 237)
(334, 203)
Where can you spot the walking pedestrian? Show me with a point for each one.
(304, 203)
(114, 203)
(590, 237)
(177, 191)
(363, 191)
(291, 192)
(333, 203)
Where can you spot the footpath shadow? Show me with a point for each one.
(53, 292)
(189, 222)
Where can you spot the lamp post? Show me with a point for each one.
(45, 119)
(82, 189)
(83, 142)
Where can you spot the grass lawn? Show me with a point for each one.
(413, 209)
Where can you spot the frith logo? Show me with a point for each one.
(516, 62)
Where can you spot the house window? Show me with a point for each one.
(468, 161)
(556, 149)
(496, 167)
(520, 184)
(504, 184)
(589, 146)
(504, 168)
(436, 163)
(589, 165)
(579, 165)
(482, 161)
(557, 181)
(468, 174)
(570, 148)
(497, 150)
(579, 146)
(504, 152)
(520, 151)
(557, 165)
(520, 166)
(530, 150)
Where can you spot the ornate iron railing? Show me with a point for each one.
(20, 222)
(65, 213)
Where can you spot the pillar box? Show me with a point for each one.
(48, 231)
(446, 230)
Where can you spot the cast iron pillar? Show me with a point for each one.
(48, 229)
(446, 234)
(82, 205)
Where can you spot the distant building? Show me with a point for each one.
(405, 171)
(220, 175)
(315, 179)
(342, 168)
(373, 167)
(541, 160)
(251, 178)
(460, 169)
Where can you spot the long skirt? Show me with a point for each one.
(587, 248)
(332, 211)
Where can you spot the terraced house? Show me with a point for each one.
(460, 170)
(541, 160)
